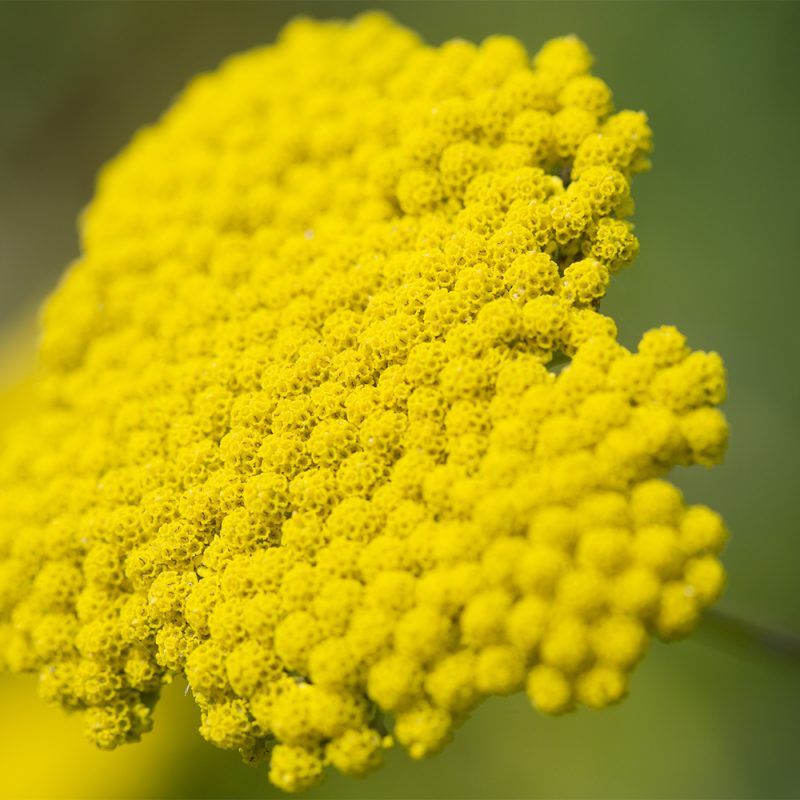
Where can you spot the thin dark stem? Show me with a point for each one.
(752, 635)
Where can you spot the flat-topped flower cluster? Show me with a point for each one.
(297, 433)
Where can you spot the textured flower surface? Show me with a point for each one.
(327, 421)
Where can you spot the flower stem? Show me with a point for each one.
(752, 636)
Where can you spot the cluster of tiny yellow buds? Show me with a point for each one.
(296, 434)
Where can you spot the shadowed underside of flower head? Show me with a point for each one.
(296, 432)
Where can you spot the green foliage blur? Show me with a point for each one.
(717, 716)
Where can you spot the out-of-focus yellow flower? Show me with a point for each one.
(75, 769)
(294, 435)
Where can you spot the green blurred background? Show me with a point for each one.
(717, 716)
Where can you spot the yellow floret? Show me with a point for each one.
(588, 93)
(601, 686)
(549, 690)
(226, 725)
(567, 55)
(620, 641)
(356, 752)
(585, 282)
(706, 577)
(499, 669)
(394, 682)
(423, 729)
(451, 683)
(678, 610)
(566, 645)
(295, 769)
(571, 125)
(702, 531)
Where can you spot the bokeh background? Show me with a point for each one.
(717, 716)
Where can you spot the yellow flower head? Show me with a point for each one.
(294, 435)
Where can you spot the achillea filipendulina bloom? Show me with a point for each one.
(297, 433)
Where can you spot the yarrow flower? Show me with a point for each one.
(326, 418)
